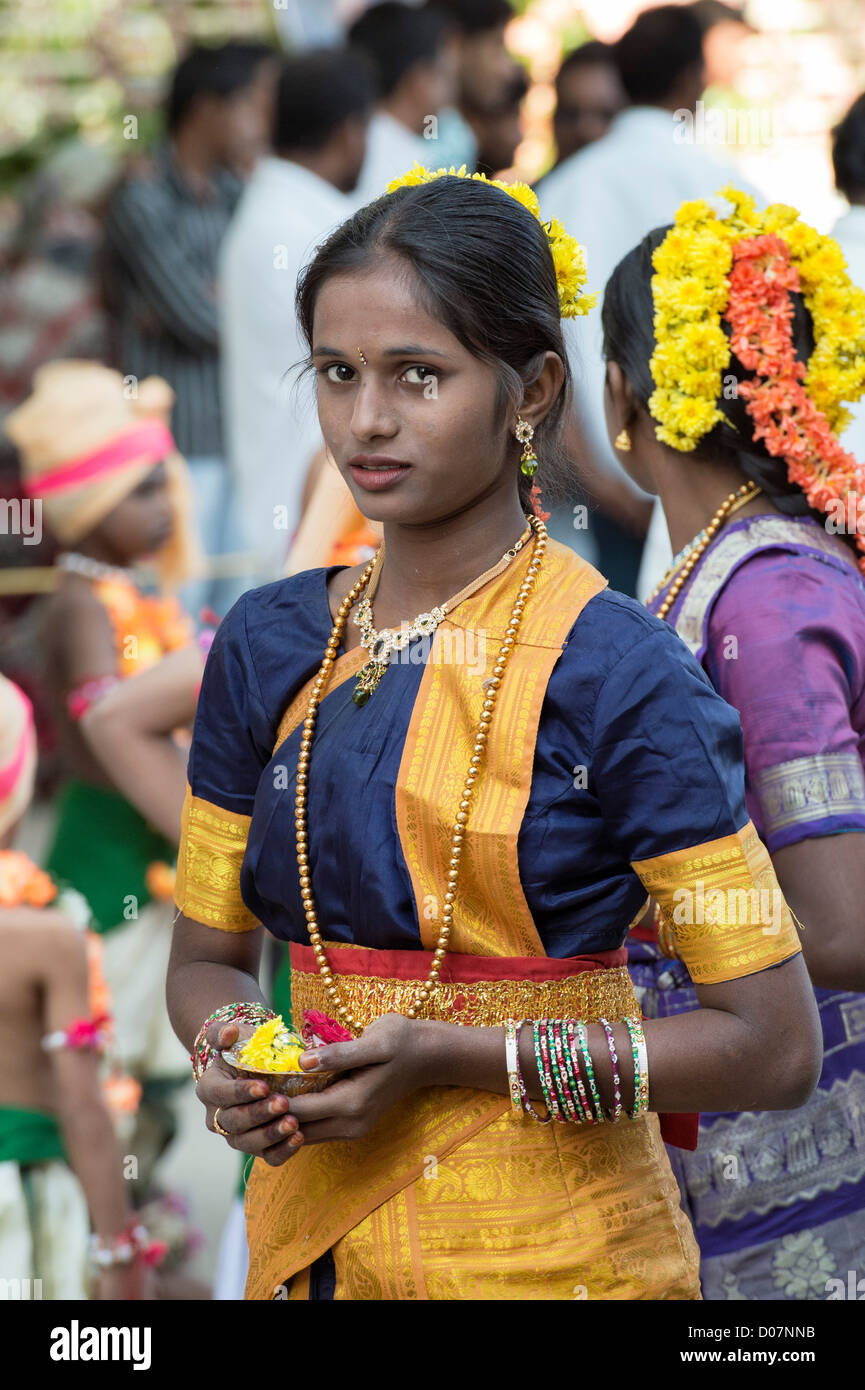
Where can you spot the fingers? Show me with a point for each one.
(282, 1132)
(344, 1100)
(345, 1056)
(237, 1119)
(220, 1035)
(218, 1087)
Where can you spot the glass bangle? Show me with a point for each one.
(527, 1104)
(573, 1068)
(542, 1060)
(590, 1072)
(614, 1059)
(641, 1066)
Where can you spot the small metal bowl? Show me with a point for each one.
(286, 1083)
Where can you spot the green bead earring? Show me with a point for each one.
(525, 434)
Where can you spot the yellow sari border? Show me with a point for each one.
(723, 906)
(492, 916)
(212, 846)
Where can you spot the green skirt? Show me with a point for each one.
(103, 847)
(29, 1136)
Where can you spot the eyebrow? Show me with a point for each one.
(409, 350)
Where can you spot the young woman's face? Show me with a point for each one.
(414, 429)
(142, 523)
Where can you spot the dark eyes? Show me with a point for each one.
(341, 372)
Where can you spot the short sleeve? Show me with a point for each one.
(781, 649)
(670, 780)
(232, 743)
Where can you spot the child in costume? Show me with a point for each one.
(60, 1164)
(97, 453)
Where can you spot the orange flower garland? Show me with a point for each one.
(22, 881)
(146, 628)
(760, 314)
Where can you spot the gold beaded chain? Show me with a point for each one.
(300, 801)
(731, 503)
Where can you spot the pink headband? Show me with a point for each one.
(151, 437)
(10, 774)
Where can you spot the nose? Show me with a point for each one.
(373, 416)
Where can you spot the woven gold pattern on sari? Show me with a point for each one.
(212, 846)
(591, 995)
(492, 917)
(450, 1196)
(723, 906)
(590, 1215)
(810, 789)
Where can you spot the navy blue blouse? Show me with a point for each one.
(636, 756)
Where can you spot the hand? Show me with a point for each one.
(126, 1283)
(392, 1058)
(255, 1118)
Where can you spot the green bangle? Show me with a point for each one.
(641, 1066)
(590, 1073)
(574, 1079)
(543, 1067)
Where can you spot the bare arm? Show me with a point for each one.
(130, 731)
(209, 968)
(81, 636)
(823, 880)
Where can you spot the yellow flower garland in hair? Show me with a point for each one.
(568, 255)
(690, 290)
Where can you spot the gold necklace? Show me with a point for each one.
(732, 502)
(381, 642)
(300, 801)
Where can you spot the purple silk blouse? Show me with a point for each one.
(775, 612)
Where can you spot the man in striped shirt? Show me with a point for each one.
(163, 231)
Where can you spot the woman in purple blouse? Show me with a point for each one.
(773, 606)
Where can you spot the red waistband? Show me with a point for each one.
(456, 968)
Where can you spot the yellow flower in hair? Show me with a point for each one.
(778, 216)
(520, 191)
(568, 255)
(690, 291)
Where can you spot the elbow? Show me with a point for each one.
(799, 1082)
(798, 1063)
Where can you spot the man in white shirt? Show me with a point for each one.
(294, 199)
(848, 157)
(609, 196)
(413, 54)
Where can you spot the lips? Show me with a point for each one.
(377, 471)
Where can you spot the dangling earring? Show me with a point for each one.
(623, 442)
(525, 434)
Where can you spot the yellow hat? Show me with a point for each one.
(87, 437)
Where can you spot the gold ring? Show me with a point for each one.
(216, 1125)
